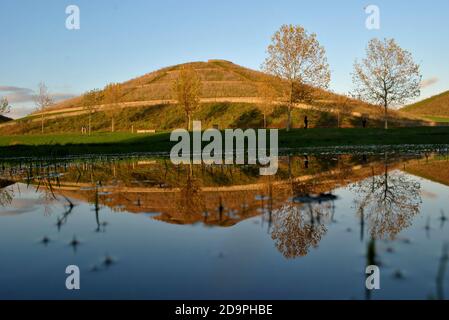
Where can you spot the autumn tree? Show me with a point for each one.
(91, 100)
(4, 106)
(387, 76)
(294, 233)
(269, 95)
(187, 89)
(43, 100)
(296, 56)
(112, 95)
(191, 200)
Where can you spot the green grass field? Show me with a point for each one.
(120, 143)
(65, 138)
(438, 119)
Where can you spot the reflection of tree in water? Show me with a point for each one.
(388, 202)
(298, 228)
(6, 195)
(46, 194)
(190, 199)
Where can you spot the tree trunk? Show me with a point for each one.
(90, 123)
(290, 173)
(112, 125)
(290, 106)
(289, 119)
(189, 127)
(386, 118)
(338, 119)
(264, 120)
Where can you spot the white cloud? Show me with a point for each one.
(429, 82)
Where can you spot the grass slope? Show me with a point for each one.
(435, 108)
(167, 116)
(108, 143)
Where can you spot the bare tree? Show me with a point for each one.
(4, 106)
(296, 56)
(388, 76)
(269, 95)
(43, 100)
(91, 100)
(112, 96)
(187, 89)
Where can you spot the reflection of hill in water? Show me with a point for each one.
(297, 204)
(431, 168)
(213, 195)
(5, 183)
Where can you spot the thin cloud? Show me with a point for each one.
(429, 82)
(16, 94)
(24, 95)
(13, 89)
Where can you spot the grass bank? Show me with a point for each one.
(437, 119)
(121, 143)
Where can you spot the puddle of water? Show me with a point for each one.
(144, 228)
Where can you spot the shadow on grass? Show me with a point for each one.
(157, 143)
(297, 138)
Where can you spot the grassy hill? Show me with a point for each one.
(435, 108)
(220, 80)
(229, 98)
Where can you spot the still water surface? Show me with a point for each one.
(142, 228)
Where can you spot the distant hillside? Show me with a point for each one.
(229, 98)
(4, 119)
(433, 107)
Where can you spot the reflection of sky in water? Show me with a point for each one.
(135, 256)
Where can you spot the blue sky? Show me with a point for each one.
(119, 40)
